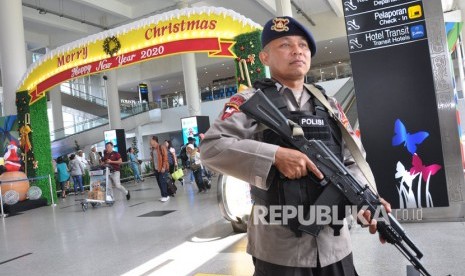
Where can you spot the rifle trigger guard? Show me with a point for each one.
(323, 182)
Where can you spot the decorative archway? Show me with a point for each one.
(207, 29)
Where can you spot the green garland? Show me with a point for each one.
(111, 45)
(40, 141)
(248, 47)
(22, 105)
(42, 147)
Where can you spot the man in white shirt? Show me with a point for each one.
(81, 158)
(94, 158)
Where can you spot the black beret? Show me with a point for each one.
(285, 26)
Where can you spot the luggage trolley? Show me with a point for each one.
(100, 189)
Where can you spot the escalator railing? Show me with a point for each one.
(126, 111)
(82, 95)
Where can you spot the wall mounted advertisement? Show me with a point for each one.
(190, 129)
(118, 138)
(193, 126)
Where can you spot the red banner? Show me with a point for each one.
(214, 46)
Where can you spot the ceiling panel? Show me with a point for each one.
(313, 7)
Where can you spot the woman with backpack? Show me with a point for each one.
(185, 158)
(196, 166)
(172, 159)
(77, 171)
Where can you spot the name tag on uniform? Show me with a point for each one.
(312, 122)
(315, 127)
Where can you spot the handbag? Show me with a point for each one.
(177, 174)
(195, 167)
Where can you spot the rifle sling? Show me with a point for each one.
(351, 144)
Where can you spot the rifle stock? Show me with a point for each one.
(340, 184)
(269, 115)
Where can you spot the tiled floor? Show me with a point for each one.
(184, 236)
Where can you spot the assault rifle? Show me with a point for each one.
(339, 185)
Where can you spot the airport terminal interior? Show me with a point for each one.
(76, 74)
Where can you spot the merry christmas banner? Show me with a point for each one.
(206, 29)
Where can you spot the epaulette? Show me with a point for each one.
(264, 83)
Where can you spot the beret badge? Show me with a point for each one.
(280, 25)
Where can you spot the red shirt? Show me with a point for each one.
(113, 156)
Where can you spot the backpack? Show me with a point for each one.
(194, 167)
(183, 154)
(170, 158)
(171, 187)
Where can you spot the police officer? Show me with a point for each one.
(237, 145)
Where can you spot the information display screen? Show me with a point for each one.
(190, 129)
(118, 138)
(110, 136)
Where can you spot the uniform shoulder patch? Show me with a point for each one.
(232, 106)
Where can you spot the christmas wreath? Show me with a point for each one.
(111, 45)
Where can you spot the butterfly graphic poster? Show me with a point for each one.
(409, 170)
(414, 184)
(398, 118)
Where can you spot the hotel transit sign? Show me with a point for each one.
(383, 23)
(207, 29)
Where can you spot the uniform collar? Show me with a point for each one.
(304, 98)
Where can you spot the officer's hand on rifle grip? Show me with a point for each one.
(294, 164)
(372, 223)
